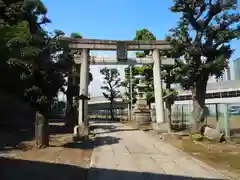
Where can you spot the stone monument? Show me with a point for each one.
(141, 112)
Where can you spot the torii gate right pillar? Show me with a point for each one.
(158, 86)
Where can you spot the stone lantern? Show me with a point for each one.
(141, 112)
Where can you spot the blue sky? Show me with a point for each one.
(111, 19)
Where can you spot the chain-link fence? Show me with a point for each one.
(180, 117)
(105, 114)
(225, 117)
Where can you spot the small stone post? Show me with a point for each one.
(81, 131)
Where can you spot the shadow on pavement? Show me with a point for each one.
(104, 120)
(102, 127)
(116, 130)
(93, 143)
(109, 128)
(11, 138)
(58, 128)
(15, 169)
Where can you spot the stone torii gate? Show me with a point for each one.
(122, 48)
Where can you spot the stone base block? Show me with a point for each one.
(142, 116)
(161, 127)
(80, 133)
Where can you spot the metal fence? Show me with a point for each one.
(105, 114)
(225, 117)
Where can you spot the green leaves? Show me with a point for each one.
(145, 35)
(112, 83)
(76, 35)
(170, 74)
(29, 55)
(204, 31)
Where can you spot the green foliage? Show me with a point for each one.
(205, 29)
(29, 54)
(170, 95)
(112, 83)
(127, 80)
(170, 74)
(142, 34)
(202, 37)
(76, 35)
(145, 35)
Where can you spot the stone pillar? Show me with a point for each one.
(84, 79)
(158, 86)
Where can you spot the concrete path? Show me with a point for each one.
(123, 153)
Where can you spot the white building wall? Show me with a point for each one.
(230, 100)
(235, 69)
(225, 77)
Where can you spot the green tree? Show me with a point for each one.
(112, 83)
(127, 80)
(142, 34)
(29, 57)
(202, 37)
(170, 75)
(146, 35)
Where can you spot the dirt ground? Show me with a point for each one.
(223, 156)
(63, 160)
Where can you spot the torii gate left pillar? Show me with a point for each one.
(81, 129)
(84, 81)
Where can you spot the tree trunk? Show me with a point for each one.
(111, 110)
(41, 130)
(169, 116)
(69, 110)
(71, 118)
(129, 112)
(198, 97)
(169, 109)
(217, 118)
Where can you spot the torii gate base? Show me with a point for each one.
(122, 48)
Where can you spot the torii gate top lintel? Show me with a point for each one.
(98, 44)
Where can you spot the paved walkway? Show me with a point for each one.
(124, 153)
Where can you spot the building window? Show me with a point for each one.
(224, 94)
(216, 95)
(233, 93)
(238, 93)
(188, 97)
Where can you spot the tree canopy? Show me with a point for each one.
(28, 53)
(202, 38)
(112, 83)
